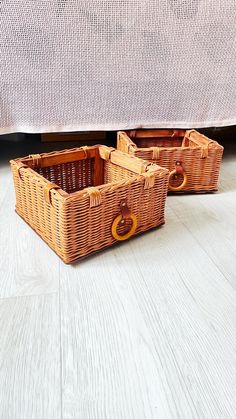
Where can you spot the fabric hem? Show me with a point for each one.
(28, 129)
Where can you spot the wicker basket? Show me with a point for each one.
(85, 199)
(193, 159)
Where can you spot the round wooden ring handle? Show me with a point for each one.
(130, 232)
(180, 187)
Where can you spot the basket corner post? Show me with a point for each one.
(123, 142)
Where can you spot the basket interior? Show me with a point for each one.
(77, 175)
(72, 176)
(154, 139)
(159, 142)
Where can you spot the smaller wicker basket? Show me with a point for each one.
(192, 159)
(85, 199)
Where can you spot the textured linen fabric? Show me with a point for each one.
(69, 65)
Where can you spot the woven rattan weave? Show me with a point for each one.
(84, 199)
(193, 159)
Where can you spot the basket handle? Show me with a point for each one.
(178, 170)
(125, 214)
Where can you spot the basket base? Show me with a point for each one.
(73, 262)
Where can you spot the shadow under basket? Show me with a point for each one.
(192, 159)
(84, 199)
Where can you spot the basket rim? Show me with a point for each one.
(106, 153)
(211, 144)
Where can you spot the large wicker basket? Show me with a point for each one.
(193, 159)
(85, 199)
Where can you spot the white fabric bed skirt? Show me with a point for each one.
(72, 65)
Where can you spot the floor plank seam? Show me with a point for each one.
(202, 248)
(168, 341)
(28, 295)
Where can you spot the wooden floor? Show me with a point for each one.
(146, 330)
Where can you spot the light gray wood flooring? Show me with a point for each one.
(144, 330)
